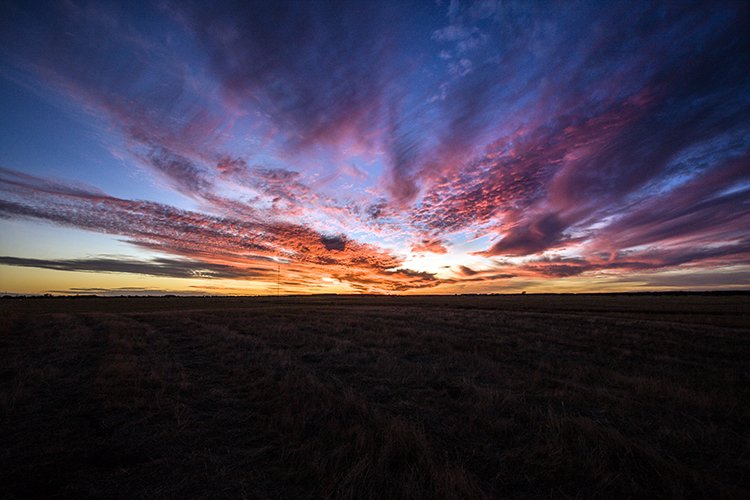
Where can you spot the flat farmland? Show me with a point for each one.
(376, 397)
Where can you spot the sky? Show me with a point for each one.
(374, 147)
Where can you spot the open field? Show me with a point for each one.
(376, 397)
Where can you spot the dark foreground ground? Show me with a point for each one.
(342, 397)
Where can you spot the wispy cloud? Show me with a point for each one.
(173, 268)
(223, 246)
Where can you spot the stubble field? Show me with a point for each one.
(376, 397)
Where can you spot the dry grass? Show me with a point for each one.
(438, 397)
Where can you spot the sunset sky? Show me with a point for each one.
(384, 147)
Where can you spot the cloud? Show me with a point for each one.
(709, 209)
(173, 268)
(539, 235)
(405, 159)
(401, 280)
(334, 243)
(214, 243)
(468, 275)
(610, 130)
(128, 291)
(318, 70)
(429, 245)
(467, 271)
(179, 171)
(739, 278)
(453, 32)
(649, 259)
